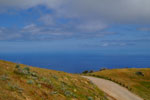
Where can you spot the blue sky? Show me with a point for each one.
(92, 26)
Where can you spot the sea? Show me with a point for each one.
(78, 62)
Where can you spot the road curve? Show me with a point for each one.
(113, 89)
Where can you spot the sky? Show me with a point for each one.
(84, 26)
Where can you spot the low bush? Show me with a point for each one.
(85, 72)
(4, 78)
(90, 98)
(14, 87)
(34, 74)
(139, 73)
(24, 71)
(30, 81)
(91, 71)
(101, 69)
(54, 92)
(17, 66)
(68, 93)
(55, 77)
(46, 80)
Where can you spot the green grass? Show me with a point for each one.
(136, 83)
(30, 83)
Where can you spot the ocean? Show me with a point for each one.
(76, 62)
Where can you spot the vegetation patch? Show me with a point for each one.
(134, 79)
(21, 82)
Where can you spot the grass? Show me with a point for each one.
(136, 80)
(21, 82)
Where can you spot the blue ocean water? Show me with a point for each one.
(76, 63)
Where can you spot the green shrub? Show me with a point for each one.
(68, 93)
(14, 87)
(26, 69)
(30, 81)
(4, 77)
(55, 77)
(90, 98)
(103, 68)
(44, 79)
(139, 73)
(17, 66)
(91, 71)
(34, 74)
(54, 92)
(85, 72)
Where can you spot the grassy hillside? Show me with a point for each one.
(136, 80)
(20, 82)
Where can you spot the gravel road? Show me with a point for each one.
(112, 89)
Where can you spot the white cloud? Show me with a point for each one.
(31, 28)
(7, 34)
(47, 19)
(25, 4)
(144, 29)
(133, 11)
(92, 16)
(108, 44)
(91, 26)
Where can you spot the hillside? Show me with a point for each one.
(21, 82)
(136, 80)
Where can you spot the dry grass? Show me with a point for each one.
(44, 84)
(138, 84)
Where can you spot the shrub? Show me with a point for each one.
(103, 68)
(17, 66)
(54, 92)
(18, 70)
(55, 77)
(139, 73)
(68, 93)
(26, 69)
(90, 98)
(44, 79)
(34, 78)
(14, 87)
(85, 72)
(34, 74)
(91, 71)
(30, 81)
(4, 77)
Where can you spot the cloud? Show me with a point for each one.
(8, 34)
(91, 26)
(87, 18)
(122, 44)
(47, 19)
(34, 32)
(24, 4)
(120, 11)
(115, 11)
(106, 43)
(144, 29)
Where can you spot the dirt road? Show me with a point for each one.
(114, 90)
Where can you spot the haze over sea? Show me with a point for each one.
(77, 62)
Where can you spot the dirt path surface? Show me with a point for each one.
(113, 89)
